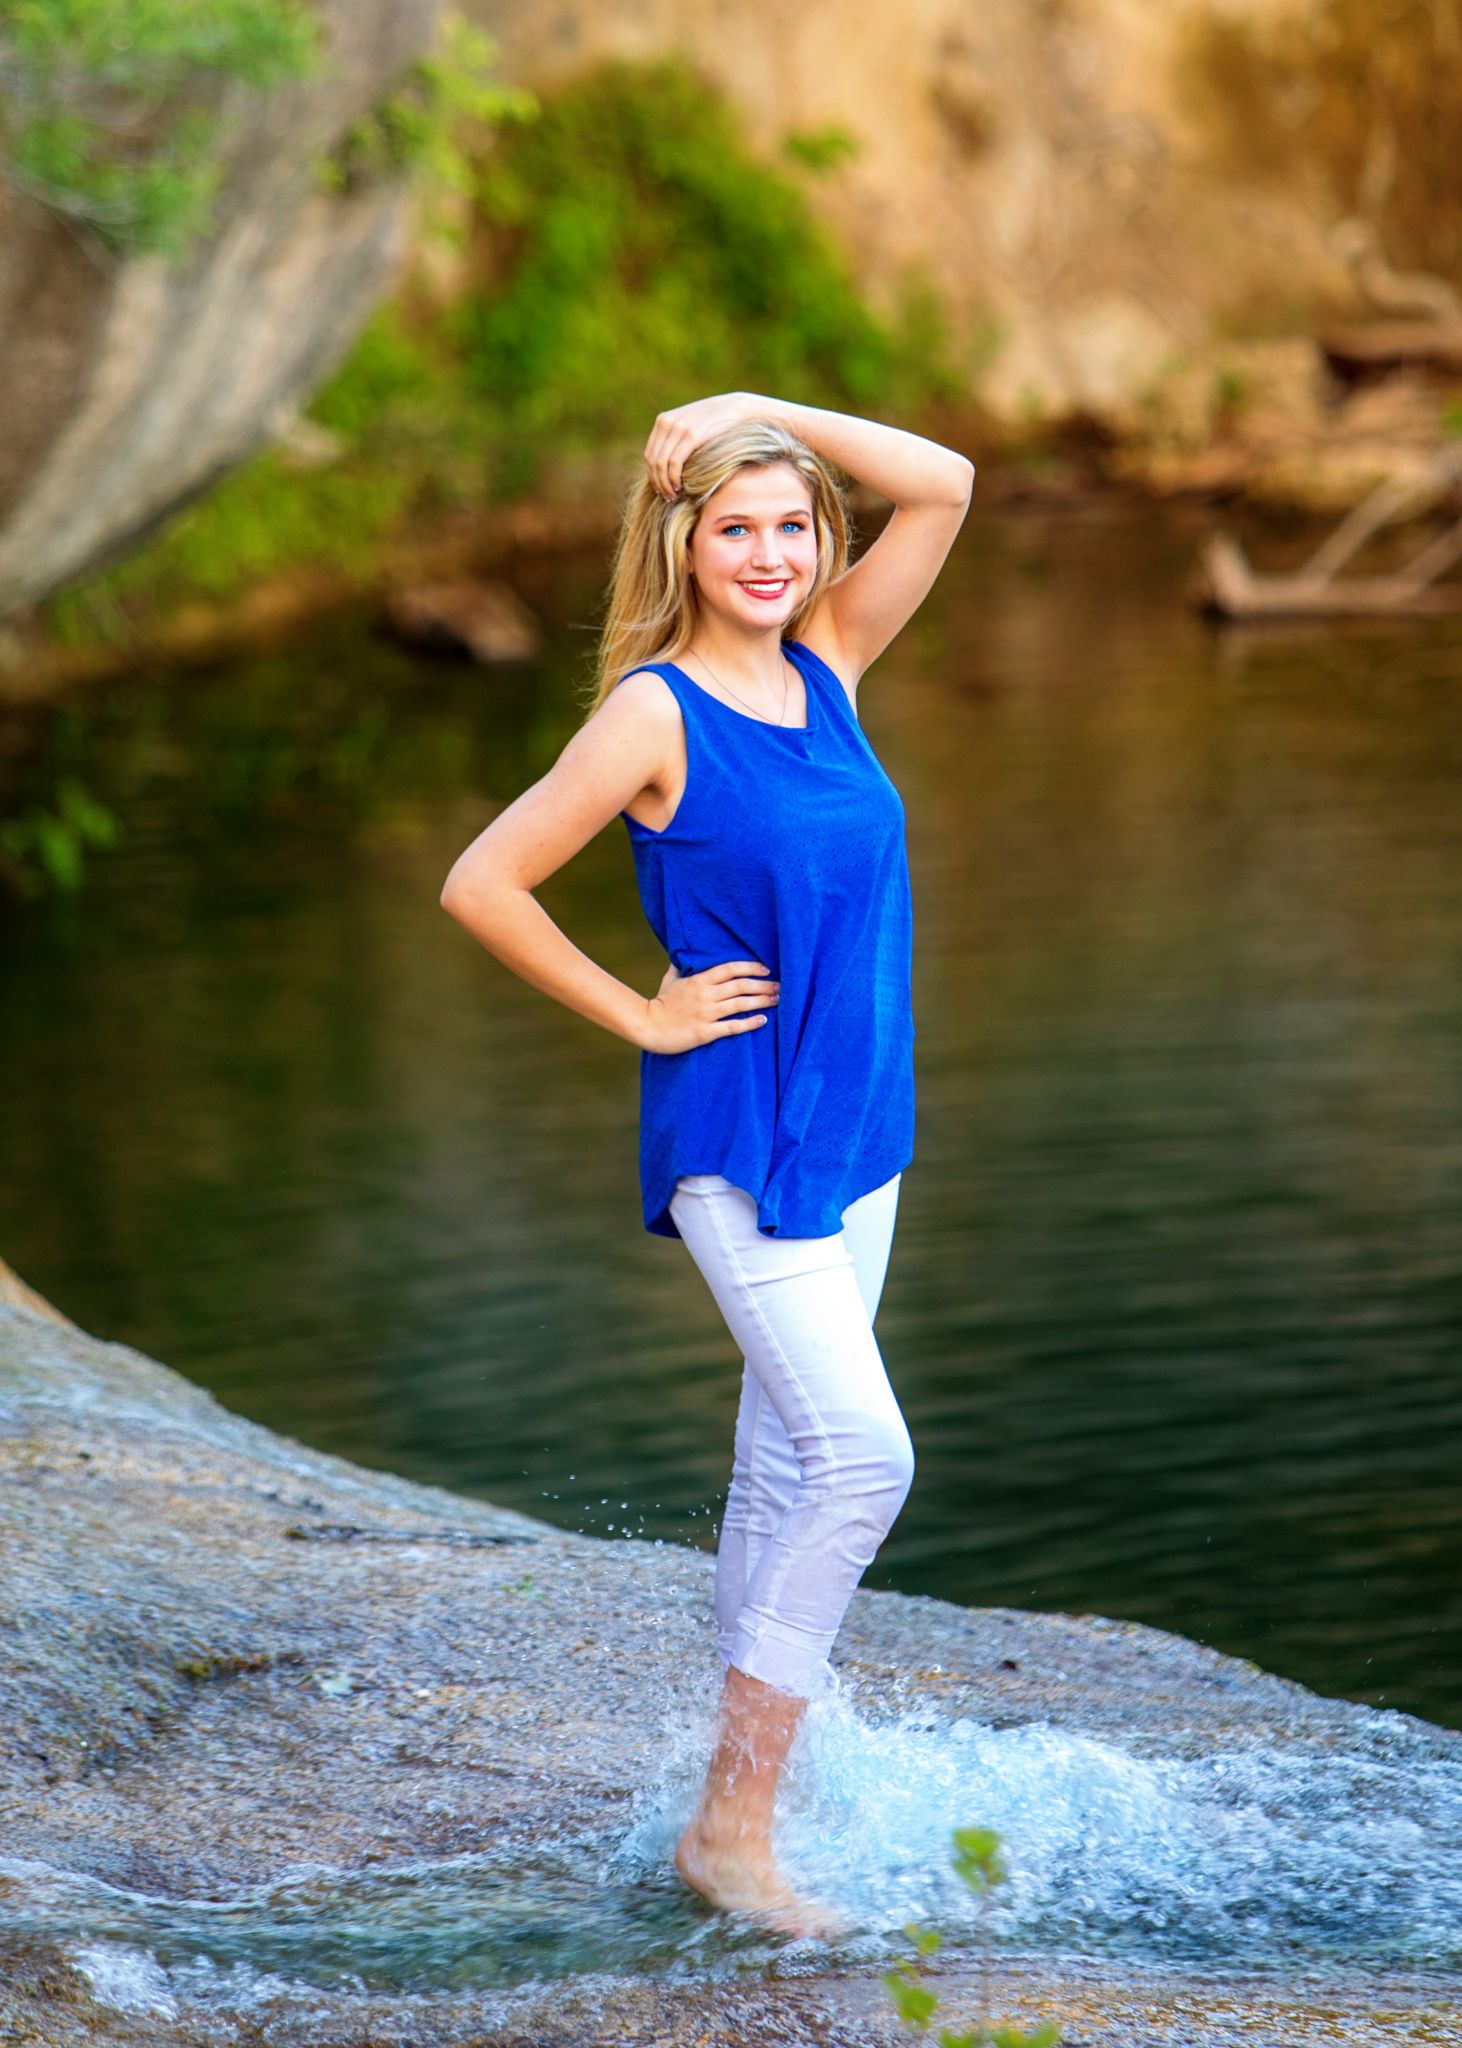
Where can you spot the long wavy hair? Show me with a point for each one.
(652, 604)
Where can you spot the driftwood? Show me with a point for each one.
(1422, 325)
(1384, 346)
(1404, 294)
(1225, 584)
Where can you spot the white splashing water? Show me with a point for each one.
(126, 1979)
(1341, 1848)
(1252, 1853)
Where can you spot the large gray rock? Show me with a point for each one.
(295, 1752)
(129, 385)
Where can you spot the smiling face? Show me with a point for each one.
(754, 548)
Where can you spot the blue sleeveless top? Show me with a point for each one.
(788, 847)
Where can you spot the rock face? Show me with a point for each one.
(128, 386)
(295, 1752)
(1040, 160)
(1041, 163)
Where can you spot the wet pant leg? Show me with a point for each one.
(765, 1469)
(822, 1460)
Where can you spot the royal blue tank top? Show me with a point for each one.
(788, 847)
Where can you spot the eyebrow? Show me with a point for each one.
(797, 512)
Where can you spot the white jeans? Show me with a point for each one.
(823, 1462)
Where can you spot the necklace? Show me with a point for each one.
(741, 700)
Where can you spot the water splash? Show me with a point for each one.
(1342, 1851)
(1262, 1855)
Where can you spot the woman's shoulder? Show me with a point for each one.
(652, 664)
(829, 658)
(645, 690)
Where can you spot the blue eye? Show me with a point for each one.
(735, 526)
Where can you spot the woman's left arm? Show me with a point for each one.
(929, 484)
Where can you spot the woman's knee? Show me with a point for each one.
(874, 1458)
(898, 1454)
(864, 1499)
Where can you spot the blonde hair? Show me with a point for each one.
(651, 608)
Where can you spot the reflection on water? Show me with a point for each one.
(1175, 1304)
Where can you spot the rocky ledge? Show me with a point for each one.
(295, 1752)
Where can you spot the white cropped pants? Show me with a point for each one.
(823, 1461)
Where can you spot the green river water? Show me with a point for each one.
(1175, 1302)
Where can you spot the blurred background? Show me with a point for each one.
(329, 337)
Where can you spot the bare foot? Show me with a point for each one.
(741, 1876)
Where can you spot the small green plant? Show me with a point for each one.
(980, 1862)
(1031, 407)
(45, 845)
(821, 149)
(1230, 391)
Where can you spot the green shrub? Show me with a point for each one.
(99, 113)
(627, 252)
(635, 253)
(447, 104)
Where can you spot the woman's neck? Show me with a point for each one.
(751, 662)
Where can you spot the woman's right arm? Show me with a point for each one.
(617, 753)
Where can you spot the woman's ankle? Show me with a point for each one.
(745, 1822)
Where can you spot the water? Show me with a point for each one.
(1175, 1303)
(1343, 1853)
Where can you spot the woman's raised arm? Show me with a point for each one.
(929, 484)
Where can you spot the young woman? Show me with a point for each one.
(777, 1102)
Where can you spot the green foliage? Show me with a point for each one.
(265, 521)
(1230, 387)
(99, 113)
(914, 2001)
(436, 119)
(821, 149)
(635, 253)
(979, 1861)
(102, 123)
(413, 440)
(151, 45)
(44, 846)
(384, 371)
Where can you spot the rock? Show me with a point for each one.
(131, 384)
(1265, 419)
(1049, 170)
(466, 615)
(294, 1752)
(304, 444)
(15, 1294)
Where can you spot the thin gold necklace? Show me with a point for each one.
(741, 700)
